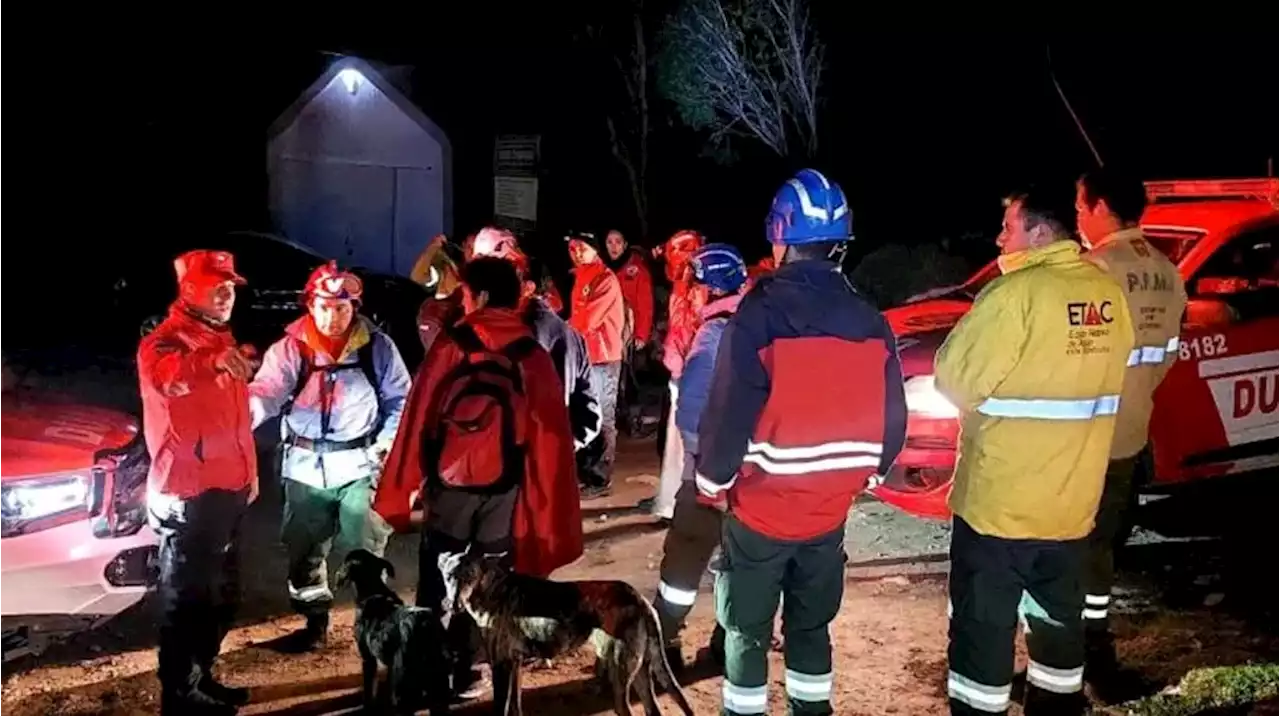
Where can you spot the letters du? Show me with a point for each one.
(1256, 392)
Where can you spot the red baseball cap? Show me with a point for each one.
(203, 266)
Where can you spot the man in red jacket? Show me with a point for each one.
(631, 267)
(538, 523)
(598, 313)
(204, 473)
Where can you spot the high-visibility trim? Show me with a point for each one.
(1092, 613)
(1049, 408)
(808, 459)
(677, 596)
(1097, 600)
(744, 699)
(809, 687)
(710, 488)
(1151, 355)
(1059, 681)
(314, 593)
(992, 699)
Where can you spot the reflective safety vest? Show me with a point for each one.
(1036, 369)
(1157, 299)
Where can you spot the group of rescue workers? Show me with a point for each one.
(786, 403)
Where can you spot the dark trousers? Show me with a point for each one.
(314, 520)
(456, 520)
(596, 460)
(686, 551)
(1099, 565)
(199, 590)
(756, 570)
(993, 581)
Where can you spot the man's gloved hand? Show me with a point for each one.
(239, 362)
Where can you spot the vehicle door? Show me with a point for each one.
(1215, 413)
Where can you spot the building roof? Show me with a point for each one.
(377, 79)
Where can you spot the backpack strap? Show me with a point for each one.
(366, 365)
(364, 358)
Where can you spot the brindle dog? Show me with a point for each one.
(524, 617)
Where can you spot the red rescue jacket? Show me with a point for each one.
(547, 530)
(809, 402)
(598, 311)
(637, 290)
(684, 316)
(194, 417)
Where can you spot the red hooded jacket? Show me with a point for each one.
(195, 418)
(547, 530)
(598, 311)
(637, 290)
(684, 316)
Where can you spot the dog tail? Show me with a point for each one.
(659, 667)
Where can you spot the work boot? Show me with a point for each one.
(1106, 680)
(1038, 702)
(314, 635)
(592, 491)
(194, 702)
(234, 695)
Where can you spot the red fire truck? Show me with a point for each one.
(1215, 412)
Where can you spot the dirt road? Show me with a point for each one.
(890, 636)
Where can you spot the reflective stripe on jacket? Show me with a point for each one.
(1036, 368)
(1157, 299)
(807, 401)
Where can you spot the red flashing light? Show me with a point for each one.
(1265, 189)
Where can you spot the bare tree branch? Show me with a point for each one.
(753, 65)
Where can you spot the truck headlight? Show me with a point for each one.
(924, 399)
(26, 501)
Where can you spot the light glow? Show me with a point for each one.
(34, 499)
(351, 79)
(924, 399)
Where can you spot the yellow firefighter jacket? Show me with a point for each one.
(1036, 369)
(1157, 298)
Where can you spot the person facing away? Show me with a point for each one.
(1035, 369)
(684, 307)
(598, 312)
(486, 438)
(339, 385)
(808, 403)
(1109, 204)
(695, 528)
(193, 379)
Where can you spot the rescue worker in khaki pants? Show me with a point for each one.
(204, 474)
(341, 386)
(1036, 369)
(789, 448)
(695, 529)
(1108, 207)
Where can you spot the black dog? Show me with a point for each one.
(522, 617)
(409, 641)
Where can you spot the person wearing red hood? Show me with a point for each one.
(598, 312)
(527, 507)
(683, 319)
(194, 381)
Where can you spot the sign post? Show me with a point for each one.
(515, 181)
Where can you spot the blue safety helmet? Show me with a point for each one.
(720, 267)
(809, 209)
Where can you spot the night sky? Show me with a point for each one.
(144, 133)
